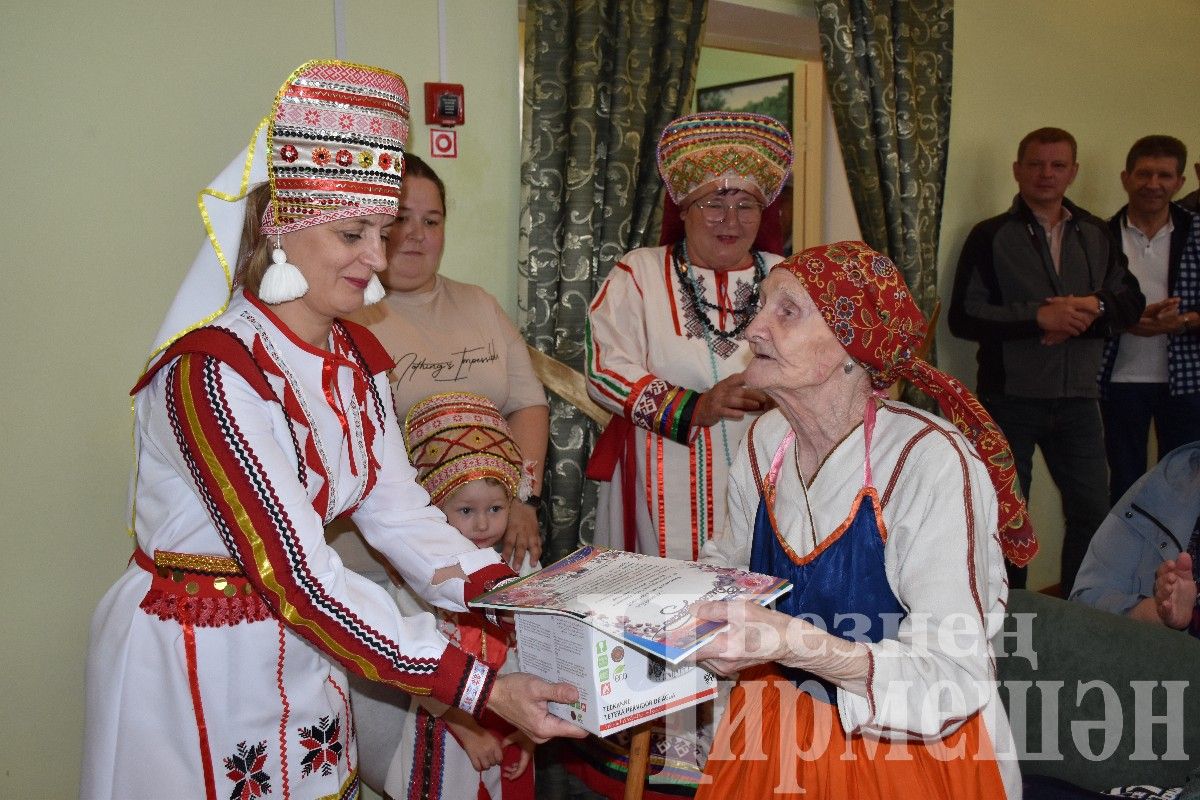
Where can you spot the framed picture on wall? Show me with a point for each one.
(771, 96)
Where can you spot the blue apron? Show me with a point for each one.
(844, 576)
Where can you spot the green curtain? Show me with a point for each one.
(602, 79)
(887, 67)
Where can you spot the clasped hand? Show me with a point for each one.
(1064, 316)
(1159, 318)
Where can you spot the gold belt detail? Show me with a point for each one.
(191, 562)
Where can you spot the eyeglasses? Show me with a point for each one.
(715, 212)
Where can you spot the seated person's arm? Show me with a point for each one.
(1108, 578)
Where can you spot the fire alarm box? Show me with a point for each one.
(444, 104)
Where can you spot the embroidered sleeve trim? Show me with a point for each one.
(657, 406)
(606, 382)
(602, 380)
(476, 686)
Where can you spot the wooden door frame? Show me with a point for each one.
(734, 26)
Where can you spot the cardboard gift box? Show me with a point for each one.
(619, 685)
(619, 627)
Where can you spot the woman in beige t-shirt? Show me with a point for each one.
(448, 336)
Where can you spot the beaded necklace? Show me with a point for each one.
(744, 312)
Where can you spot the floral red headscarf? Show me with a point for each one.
(866, 303)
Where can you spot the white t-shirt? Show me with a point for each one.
(1143, 359)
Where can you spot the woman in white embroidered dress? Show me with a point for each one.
(217, 663)
(665, 353)
(875, 677)
(665, 338)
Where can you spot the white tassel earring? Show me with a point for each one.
(374, 291)
(282, 281)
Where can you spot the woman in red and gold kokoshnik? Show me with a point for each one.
(217, 663)
(875, 677)
(666, 338)
(665, 353)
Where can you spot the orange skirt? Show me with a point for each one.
(776, 741)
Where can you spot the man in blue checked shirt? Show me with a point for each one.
(1152, 370)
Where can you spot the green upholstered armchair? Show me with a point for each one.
(1098, 700)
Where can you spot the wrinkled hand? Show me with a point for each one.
(1065, 316)
(755, 635)
(1175, 592)
(522, 535)
(484, 749)
(514, 771)
(728, 399)
(522, 699)
(1158, 319)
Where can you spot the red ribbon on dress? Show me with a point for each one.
(616, 445)
(482, 639)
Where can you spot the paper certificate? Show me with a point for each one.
(643, 600)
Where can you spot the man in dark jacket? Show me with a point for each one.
(1040, 287)
(1152, 371)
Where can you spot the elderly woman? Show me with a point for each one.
(877, 676)
(218, 661)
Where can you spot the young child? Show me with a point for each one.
(466, 459)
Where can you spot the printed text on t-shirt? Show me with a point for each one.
(456, 367)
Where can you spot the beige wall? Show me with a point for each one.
(1109, 71)
(116, 112)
